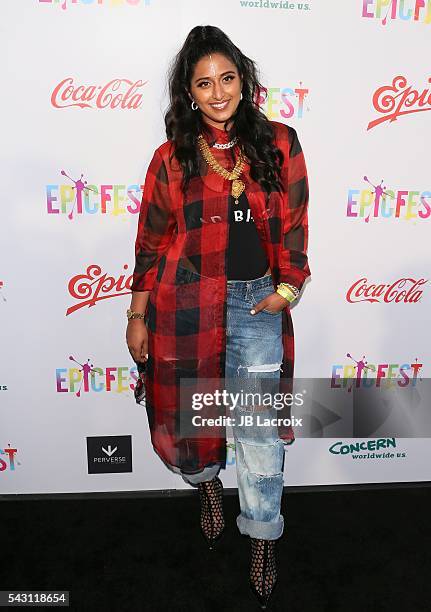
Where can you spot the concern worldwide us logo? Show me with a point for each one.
(377, 448)
(284, 5)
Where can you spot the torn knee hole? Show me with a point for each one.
(266, 367)
(266, 475)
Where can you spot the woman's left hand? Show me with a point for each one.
(273, 303)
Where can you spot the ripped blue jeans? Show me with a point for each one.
(254, 351)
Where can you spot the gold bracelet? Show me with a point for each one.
(286, 293)
(294, 289)
(131, 314)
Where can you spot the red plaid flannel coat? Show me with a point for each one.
(181, 249)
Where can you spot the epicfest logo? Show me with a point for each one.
(362, 374)
(83, 198)
(385, 203)
(88, 378)
(7, 459)
(406, 290)
(67, 93)
(280, 103)
(404, 10)
(399, 99)
(368, 449)
(93, 286)
(107, 3)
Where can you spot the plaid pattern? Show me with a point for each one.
(181, 251)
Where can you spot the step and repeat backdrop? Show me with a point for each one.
(83, 96)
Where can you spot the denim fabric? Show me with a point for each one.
(254, 352)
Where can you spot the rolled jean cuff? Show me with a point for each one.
(262, 530)
(208, 473)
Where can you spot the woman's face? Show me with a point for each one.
(216, 88)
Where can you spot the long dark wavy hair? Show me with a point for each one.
(250, 125)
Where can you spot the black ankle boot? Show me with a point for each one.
(212, 517)
(263, 570)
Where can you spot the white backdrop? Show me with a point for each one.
(323, 63)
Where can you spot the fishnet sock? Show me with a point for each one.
(263, 572)
(211, 497)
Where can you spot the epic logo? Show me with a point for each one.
(93, 286)
(396, 100)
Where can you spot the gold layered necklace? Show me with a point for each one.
(238, 186)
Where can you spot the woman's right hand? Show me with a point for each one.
(137, 339)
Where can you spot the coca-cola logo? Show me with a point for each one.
(67, 93)
(398, 99)
(402, 290)
(93, 286)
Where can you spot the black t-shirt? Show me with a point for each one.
(246, 255)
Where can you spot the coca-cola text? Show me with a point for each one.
(402, 290)
(66, 94)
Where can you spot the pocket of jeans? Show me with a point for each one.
(273, 314)
(260, 294)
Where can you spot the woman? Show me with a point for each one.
(221, 251)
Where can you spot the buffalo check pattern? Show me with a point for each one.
(180, 257)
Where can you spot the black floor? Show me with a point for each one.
(342, 550)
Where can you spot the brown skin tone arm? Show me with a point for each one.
(139, 301)
(136, 332)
